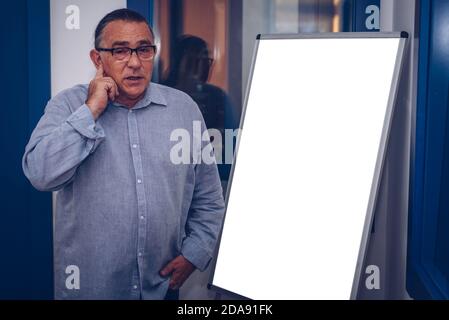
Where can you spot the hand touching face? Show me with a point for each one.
(101, 89)
(132, 74)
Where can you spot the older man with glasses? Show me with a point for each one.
(129, 223)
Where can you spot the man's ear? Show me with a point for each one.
(95, 57)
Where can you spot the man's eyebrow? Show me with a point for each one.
(126, 43)
(120, 43)
(144, 42)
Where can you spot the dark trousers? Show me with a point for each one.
(172, 295)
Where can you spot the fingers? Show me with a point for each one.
(101, 90)
(173, 285)
(179, 276)
(174, 280)
(111, 94)
(100, 72)
(177, 279)
(168, 269)
(111, 88)
(180, 269)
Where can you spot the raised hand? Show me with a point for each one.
(101, 89)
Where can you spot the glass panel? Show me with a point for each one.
(207, 47)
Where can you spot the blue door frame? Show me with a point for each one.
(428, 236)
(26, 269)
(144, 7)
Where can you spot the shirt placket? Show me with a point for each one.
(141, 199)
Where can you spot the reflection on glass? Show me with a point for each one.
(189, 72)
(294, 16)
(212, 64)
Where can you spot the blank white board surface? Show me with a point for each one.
(307, 166)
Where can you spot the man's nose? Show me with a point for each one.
(134, 61)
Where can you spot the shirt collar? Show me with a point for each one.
(153, 95)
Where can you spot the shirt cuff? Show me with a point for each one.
(83, 121)
(195, 254)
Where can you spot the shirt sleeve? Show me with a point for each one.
(59, 144)
(205, 215)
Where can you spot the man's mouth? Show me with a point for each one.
(134, 78)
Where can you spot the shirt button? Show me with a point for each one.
(130, 111)
(142, 217)
(139, 181)
(135, 286)
(140, 254)
(134, 146)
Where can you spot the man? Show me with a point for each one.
(129, 222)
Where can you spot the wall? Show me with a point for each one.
(388, 242)
(69, 45)
(255, 20)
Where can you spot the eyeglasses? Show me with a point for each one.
(145, 53)
(209, 61)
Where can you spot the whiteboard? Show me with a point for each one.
(307, 166)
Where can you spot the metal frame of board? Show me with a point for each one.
(382, 146)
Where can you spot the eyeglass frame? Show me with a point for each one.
(111, 50)
(209, 60)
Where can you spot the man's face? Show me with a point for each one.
(132, 76)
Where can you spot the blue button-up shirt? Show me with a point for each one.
(124, 208)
